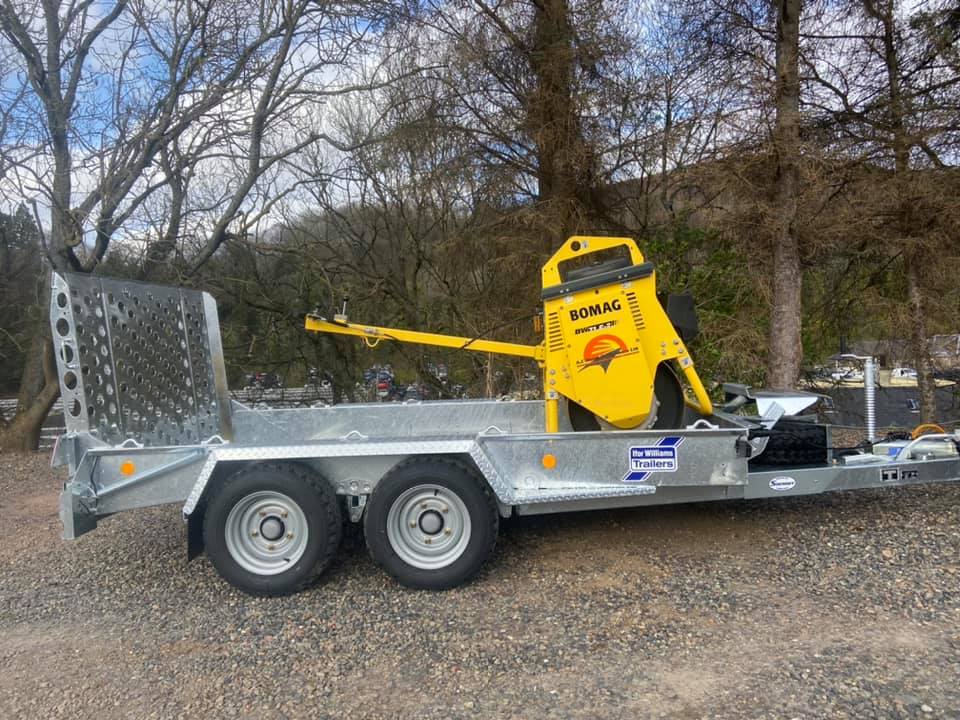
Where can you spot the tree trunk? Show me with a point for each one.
(926, 383)
(39, 384)
(785, 348)
(39, 389)
(565, 164)
(913, 247)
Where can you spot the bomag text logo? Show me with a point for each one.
(590, 311)
(601, 351)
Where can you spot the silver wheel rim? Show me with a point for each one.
(266, 532)
(428, 526)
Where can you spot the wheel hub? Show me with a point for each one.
(431, 522)
(272, 528)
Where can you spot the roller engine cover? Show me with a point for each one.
(606, 331)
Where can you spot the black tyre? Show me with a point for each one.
(666, 388)
(272, 529)
(669, 394)
(581, 419)
(431, 523)
(794, 442)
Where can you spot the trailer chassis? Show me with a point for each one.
(149, 422)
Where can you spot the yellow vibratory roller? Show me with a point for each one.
(609, 347)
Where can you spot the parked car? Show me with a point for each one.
(847, 374)
(903, 373)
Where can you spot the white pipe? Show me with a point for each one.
(870, 398)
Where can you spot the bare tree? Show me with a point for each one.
(677, 109)
(528, 83)
(891, 96)
(410, 229)
(136, 101)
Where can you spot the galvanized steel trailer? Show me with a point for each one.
(265, 492)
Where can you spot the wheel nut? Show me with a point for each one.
(427, 540)
(413, 524)
(271, 546)
(254, 533)
(423, 506)
(284, 514)
(444, 509)
(289, 536)
(447, 531)
(263, 513)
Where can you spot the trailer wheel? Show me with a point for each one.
(431, 523)
(272, 529)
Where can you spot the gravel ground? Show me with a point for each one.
(844, 605)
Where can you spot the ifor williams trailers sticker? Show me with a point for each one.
(659, 458)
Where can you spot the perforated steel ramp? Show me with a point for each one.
(139, 362)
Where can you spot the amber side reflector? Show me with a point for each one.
(128, 468)
(549, 461)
